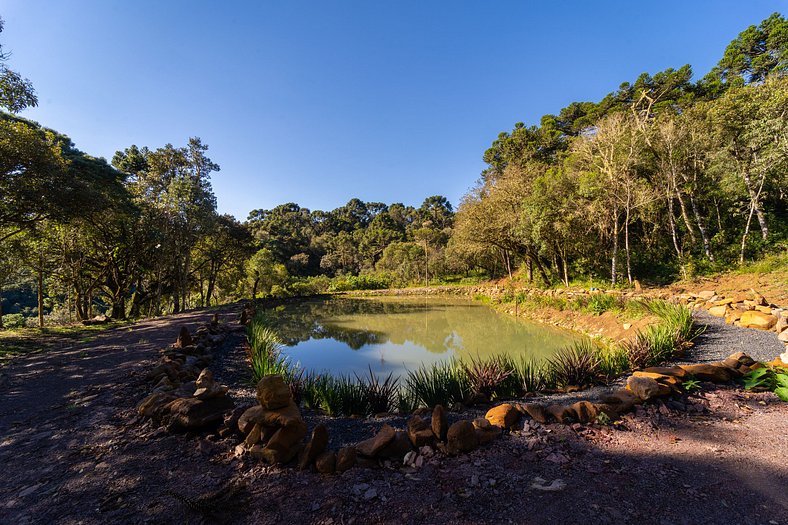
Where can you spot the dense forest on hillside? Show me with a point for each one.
(664, 178)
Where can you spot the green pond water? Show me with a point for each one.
(395, 334)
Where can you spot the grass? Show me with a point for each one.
(576, 365)
(441, 383)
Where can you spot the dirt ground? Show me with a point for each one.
(73, 451)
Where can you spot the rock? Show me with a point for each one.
(504, 416)
(326, 463)
(184, 338)
(707, 372)
(273, 392)
(316, 446)
(718, 311)
(782, 322)
(778, 361)
(207, 388)
(440, 424)
(561, 413)
(372, 446)
(627, 326)
(254, 435)
(536, 411)
(154, 405)
(663, 379)
(783, 336)
(485, 431)
(733, 316)
(586, 411)
(191, 413)
(280, 417)
(419, 432)
(346, 458)
(673, 371)
(622, 399)
(397, 447)
(283, 445)
(758, 298)
(249, 418)
(758, 320)
(646, 388)
(706, 294)
(461, 437)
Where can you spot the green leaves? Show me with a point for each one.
(770, 379)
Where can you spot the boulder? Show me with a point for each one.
(280, 417)
(461, 437)
(283, 445)
(207, 388)
(561, 413)
(621, 399)
(646, 388)
(673, 371)
(372, 446)
(346, 458)
(706, 294)
(249, 418)
(536, 411)
(671, 381)
(585, 411)
(184, 338)
(273, 392)
(155, 404)
(192, 414)
(326, 463)
(758, 320)
(485, 431)
(254, 435)
(397, 447)
(439, 422)
(708, 372)
(419, 432)
(504, 416)
(316, 446)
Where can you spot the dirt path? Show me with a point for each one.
(72, 451)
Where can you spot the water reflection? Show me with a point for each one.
(392, 334)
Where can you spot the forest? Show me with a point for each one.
(665, 178)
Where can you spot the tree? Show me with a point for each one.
(16, 93)
(758, 52)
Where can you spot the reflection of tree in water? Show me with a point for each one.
(436, 324)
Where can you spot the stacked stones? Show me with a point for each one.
(274, 429)
(185, 395)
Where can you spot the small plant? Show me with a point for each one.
(600, 303)
(613, 361)
(531, 375)
(341, 396)
(602, 419)
(486, 377)
(691, 385)
(575, 365)
(380, 396)
(768, 379)
(440, 383)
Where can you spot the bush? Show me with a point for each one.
(575, 365)
(379, 396)
(600, 303)
(486, 377)
(12, 321)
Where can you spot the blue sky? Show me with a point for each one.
(318, 102)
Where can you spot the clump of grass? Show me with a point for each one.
(613, 362)
(380, 396)
(441, 383)
(340, 395)
(600, 303)
(660, 342)
(574, 365)
(264, 351)
(485, 377)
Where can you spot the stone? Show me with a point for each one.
(536, 411)
(283, 445)
(249, 418)
(372, 446)
(419, 432)
(485, 431)
(764, 309)
(397, 447)
(778, 361)
(757, 320)
(254, 435)
(326, 463)
(646, 388)
(191, 413)
(706, 294)
(673, 371)
(671, 381)
(154, 405)
(708, 372)
(623, 399)
(718, 311)
(346, 459)
(461, 437)
(316, 446)
(782, 322)
(586, 411)
(273, 392)
(280, 417)
(732, 317)
(505, 416)
(439, 422)
(758, 298)
(783, 336)
(561, 413)
(207, 388)
(184, 338)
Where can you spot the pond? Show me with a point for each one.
(345, 335)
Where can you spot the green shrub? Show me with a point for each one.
(531, 375)
(600, 303)
(441, 383)
(485, 376)
(769, 379)
(613, 362)
(379, 396)
(12, 321)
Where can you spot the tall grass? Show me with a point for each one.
(663, 341)
(575, 365)
(441, 383)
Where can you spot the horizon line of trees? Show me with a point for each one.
(663, 178)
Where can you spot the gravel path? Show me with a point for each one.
(720, 340)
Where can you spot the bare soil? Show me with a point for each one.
(73, 451)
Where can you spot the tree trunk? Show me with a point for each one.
(755, 197)
(746, 232)
(614, 256)
(626, 245)
(1, 307)
(254, 287)
(685, 216)
(703, 233)
(40, 294)
(530, 267)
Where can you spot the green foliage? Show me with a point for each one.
(11, 321)
(613, 362)
(600, 303)
(441, 383)
(380, 396)
(359, 282)
(690, 385)
(660, 342)
(768, 378)
(485, 377)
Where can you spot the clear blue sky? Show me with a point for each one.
(317, 102)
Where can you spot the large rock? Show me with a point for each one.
(621, 400)
(372, 446)
(671, 381)
(419, 432)
(585, 411)
(397, 447)
(673, 371)
(536, 411)
(485, 432)
(155, 404)
(439, 422)
(758, 320)
(461, 437)
(284, 444)
(273, 392)
(561, 413)
(346, 458)
(504, 416)
(707, 372)
(326, 463)
(280, 417)
(207, 387)
(718, 311)
(249, 418)
(316, 446)
(646, 388)
(192, 414)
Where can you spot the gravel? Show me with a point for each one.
(720, 340)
